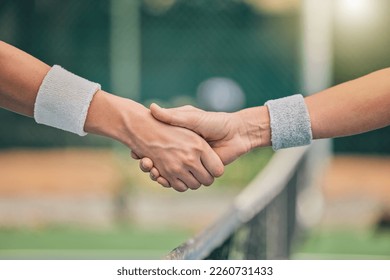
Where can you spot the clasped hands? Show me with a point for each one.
(196, 144)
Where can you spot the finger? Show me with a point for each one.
(202, 175)
(146, 164)
(186, 116)
(225, 155)
(154, 173)
(190, 181)
(152, 177)
(134, 155)
(212, 162)
(178, 185)
(163, 182)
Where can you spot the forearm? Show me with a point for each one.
(350, 108)
(353, 107)
(20, 78)
(58, 98)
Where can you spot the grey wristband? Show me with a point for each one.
(290, 122)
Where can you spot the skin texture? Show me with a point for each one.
(183, 157)
(229, 134)
(20, 78)
(186, 159)
(350, 108)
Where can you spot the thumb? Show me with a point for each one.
(185, 116)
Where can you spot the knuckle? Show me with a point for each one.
(190, 107)
(173, 169)
(198, 146)
(191, 159)
(176, 169)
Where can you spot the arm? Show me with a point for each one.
(350, 108)
(20, 78)
(182, 157)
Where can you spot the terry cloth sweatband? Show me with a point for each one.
(290, 122)
(63, 100)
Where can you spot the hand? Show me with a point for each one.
(183, 158)
(229, 134)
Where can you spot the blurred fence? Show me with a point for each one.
(197, 40)
(179, 44)
(262, 222)
(73, 34)
(361, 43)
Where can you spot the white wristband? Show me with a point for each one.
(63, 100)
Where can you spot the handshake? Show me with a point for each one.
(187, 147)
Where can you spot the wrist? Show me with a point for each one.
(114, 117)
(290, 122)
(63, 100)
(265, 127)
(255, 126)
